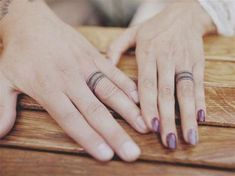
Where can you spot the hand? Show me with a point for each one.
(169, 46)
(51, 62)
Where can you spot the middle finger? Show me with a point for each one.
(102, 121)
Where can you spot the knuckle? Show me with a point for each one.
(69, 115)
(148, 83)
(109, 91)
(116, 134)
(115, 75)
(130, 85)
(43, 85)
(186, 90)
(166, 91)
(94, 108)
(125, 81)
(132, 112)
(199, 84)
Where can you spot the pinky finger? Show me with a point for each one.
(200, 92)
(7, 110)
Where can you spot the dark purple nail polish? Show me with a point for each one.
(155, 125)
(201, 116)
(192, 137)
(171, 141)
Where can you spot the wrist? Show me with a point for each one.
(193, 14)
(23, 14)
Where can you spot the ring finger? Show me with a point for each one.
(112, 96)
(186, 99)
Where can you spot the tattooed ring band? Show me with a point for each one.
(94, 79)
(184, 75)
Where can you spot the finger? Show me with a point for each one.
(186, 99)
(198, 73)
(74, 124)
(147, 76)
(121, 44)
(112, 96)
(7, 110)
(166, 104)
(102, 121)
(122, 81)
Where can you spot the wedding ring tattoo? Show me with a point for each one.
(184, 75)
(94, 79)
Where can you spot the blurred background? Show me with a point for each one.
(118, 13)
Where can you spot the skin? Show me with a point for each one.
(167, 44)
(51, 62)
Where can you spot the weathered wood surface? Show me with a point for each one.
(38, 130)
(28, 163)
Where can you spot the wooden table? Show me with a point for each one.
(38, 146)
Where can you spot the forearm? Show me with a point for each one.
(150, 8)
(192, 10)
(23, 13)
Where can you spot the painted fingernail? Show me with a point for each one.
(171, 141)
(201, 116)
(130, 151)
(141, 124)
(135, 96)
(155, 125)
(105, 151)
(192, 137)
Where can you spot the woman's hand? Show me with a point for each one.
(54, 64)
(169, 51)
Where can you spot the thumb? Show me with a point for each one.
(8, 99)
(125, 41)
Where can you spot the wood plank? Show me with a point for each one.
(216, 148)
(30, 163)
(216, 47)
(220, 106)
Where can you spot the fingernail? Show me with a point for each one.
(171, 141)
(192, 137)
(105, 151)
(141, 124)
(201, 116)
(155, 125)
(135, 96)
(130, 151)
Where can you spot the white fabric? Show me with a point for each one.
(222, 13)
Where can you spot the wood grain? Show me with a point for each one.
(27, 163)
(37, 130)
(220, 106)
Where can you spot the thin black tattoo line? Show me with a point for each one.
(4, 5)
(181, 78)
(184, 72)
(94, 79)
